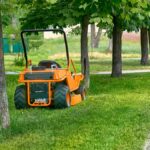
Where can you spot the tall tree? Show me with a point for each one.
(117, 49)
(4, 112)
(123, 14)
(84, 50)
(145, 26)
(149, 38)
(110, 45)
(95, 36)
(144, 46)
(124, 20)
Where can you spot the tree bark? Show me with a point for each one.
(110, 45)
(144, 46)
(95, 38)
(84, 50)
(14, 22)
(92, 34)
(149, 38)
(117, 49)
(4, 112)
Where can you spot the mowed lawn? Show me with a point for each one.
(115, 116)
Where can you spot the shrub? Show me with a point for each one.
(19, 61)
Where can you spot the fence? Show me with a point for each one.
(12, 46)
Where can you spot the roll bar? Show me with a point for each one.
(43, 30)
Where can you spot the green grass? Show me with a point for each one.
(115, 116)
(99, 58)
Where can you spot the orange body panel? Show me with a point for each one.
(72, 80)
(75, 99)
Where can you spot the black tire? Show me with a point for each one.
(81, 90)
(62, 96)
(20, 97)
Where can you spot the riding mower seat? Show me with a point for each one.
(49, 64)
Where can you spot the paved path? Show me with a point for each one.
(101, 72)
(124, 72)
(12, 73)
(147, 144)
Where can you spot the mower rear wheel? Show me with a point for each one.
(81, 90)
(20, 97)
(62, 96)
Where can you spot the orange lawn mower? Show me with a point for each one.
(47, 84)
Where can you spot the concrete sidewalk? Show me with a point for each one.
(147, 144)
(100, 73)
(124, 72)
(11, 73)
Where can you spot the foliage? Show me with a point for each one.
(10, 17)
(60, 13)
(145, 16)
(7, 13)
(131, 15)
(35, 41)
(36, 11)
(75, 31)
(6, 19)
(19, 61)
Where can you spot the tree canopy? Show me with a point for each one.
(131, 14)
(113, 15)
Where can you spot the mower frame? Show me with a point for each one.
(43, 30)
(72, 79)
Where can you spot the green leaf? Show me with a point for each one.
(83, 6)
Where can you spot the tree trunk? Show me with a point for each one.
(5, 120)
(117, 49)
(92, 35)
(149, 38)
(84, 50)
(144, 46)
(110, 45)
(95, 38)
